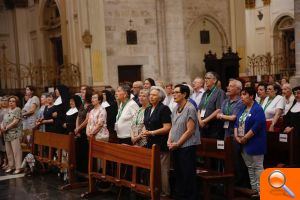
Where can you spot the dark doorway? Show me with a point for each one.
(58, 56)
(129, 73)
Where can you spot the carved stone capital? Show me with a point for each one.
(266, 2)
(87, 38)
(250, 4)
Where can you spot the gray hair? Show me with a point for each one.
(145, 91)
(237, 83)
(288, 86)
(161, 92)
(139, 84)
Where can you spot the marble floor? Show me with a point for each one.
(43, 187)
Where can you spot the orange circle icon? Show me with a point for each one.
(277, 179)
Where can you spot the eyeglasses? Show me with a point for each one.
(208, 78)
(176, 92)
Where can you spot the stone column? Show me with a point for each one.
(295, 81)
(176, 56)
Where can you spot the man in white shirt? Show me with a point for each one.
(288, 96)
(169, 100)
(198, 84)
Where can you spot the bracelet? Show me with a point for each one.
(151, 132)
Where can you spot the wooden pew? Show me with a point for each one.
(137, 157)
(56, 142)
(208, 150)
(282, 149)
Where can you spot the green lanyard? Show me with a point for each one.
(243, 117)
(138, 117)
(207, 98)
(228, 108)
(268, 103)
(121, 110)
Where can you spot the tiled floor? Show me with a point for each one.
(42, 188)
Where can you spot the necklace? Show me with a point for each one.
(179, 110)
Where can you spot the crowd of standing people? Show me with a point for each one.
(149, 112)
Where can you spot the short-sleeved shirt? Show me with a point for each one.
(29, 121)
(231, 108)
(270, 110)
(98, 116)
(9, 117)
(160, 115)
(179, 125)
(214, 101)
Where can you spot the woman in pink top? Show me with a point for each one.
(97, 119)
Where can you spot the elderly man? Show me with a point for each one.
(288, 97)
(136, 88)
(198, 84)
(229, 110)
(231, 106)
(209, 107)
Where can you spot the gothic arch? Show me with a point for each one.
(213, 21)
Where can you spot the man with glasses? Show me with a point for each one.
(209, 107)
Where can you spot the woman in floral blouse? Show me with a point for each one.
(97, 119)
(11, 128)
(137, 123)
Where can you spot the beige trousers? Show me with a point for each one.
(14, 153)
(165, 168)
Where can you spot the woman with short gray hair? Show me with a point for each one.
(157, 121)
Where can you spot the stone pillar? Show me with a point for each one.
(176, 56)
(295, 80)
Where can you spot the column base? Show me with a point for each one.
(295, 80)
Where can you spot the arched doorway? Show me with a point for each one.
(284, 45)
(51, 27)
(204, 34)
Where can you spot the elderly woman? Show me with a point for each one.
(289, 98)
(11, 128)
(3, 111)
(126, 112)
(29, 113)
(97, 119)
(137, 123)
(157, 121)
(250, 133)
(273, 105)
(148, 83)
(183, 140)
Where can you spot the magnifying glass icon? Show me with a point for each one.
(277, 180)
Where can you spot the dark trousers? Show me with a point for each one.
(185, 173)
(126, 170)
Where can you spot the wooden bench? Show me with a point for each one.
(208, 150)
(282, 149)
(56, 143)
(120, 154)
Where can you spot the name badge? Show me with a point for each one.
(226, 124)
(116, 126)
(220, 144)
(241, 131)
(283, 137)
(202, 113)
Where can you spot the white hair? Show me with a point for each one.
(161, 92)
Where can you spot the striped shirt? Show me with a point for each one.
(179, 125)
